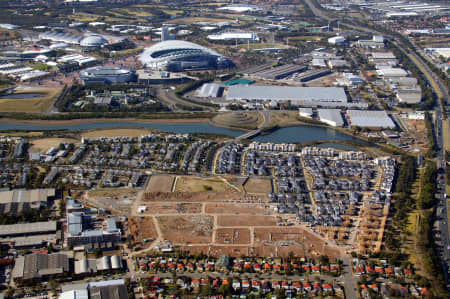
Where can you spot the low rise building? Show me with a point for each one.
(331, 117)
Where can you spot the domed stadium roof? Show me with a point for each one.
(171, 49)
(93, 41)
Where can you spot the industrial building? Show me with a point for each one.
(305, 112)
(210, 90)
(234, 36)
(107, 75)
(392, 72)
(18, 201)
(312, 75)
(336, 40)
(410, 96)
(92, 266)
(370, 119)
(332, 117)
(240, 8)
(175, 55)
(287, 93)
(27, 229)
(107, 289)
(279, 72)
(37, 266)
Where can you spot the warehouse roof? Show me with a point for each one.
(209, 90)
(331, 116)
(392, 72)
(285, 93)
(374, 119)
(27, 228)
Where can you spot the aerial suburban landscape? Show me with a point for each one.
(224, 149)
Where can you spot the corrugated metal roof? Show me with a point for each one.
(285, 93)
(27, 228)
(375, 119)
(333, 115)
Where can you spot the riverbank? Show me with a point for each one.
(104, 120)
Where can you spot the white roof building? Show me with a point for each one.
(335, 40)
(332, 117)
(305, 112)
(370, 119)
(240, 36)
(392, 72)
(286, 93)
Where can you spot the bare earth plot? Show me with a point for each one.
(142, 228)
(247, 221)
(174, 208)
(228, 208)
(118, 200)
(193, 184)
(232, 236)
(44, 144)
(160, 183)
(186, 229)
(257, 185)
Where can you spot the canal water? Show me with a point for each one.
(294, 134)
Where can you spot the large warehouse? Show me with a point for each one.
(107, 75)
(287, 93)
(175, 55)
(370, 119)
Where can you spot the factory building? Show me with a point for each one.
(370, 119)
(38, 266)
(18, 201)
(305, 112)
(106, 289)
(105, 263)
(279, 72)
(331, 117)
(210, 90)
(27, 229)
(287, 93)
(336, 40)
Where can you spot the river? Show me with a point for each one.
(294, 134)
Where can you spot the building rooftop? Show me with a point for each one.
(375, 119)
(27, 228)
(285, 93)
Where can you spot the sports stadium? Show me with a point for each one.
(107, 75)
(177, 56)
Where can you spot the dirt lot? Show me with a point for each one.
(42, 145)
(247, 221)
(225, 208)
(232, 236)
(160, 183)
(189, 196)
(217, 251)
(186, 229)
(256, 185)
(142, 228)
(174, 208)
(118, 200)
(192, 184)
